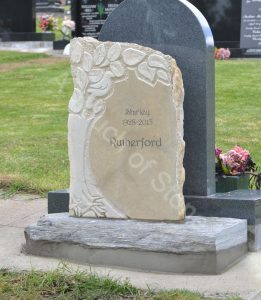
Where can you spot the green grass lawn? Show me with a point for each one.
(33, 119)
(16, 57)
(238, 105)
(63, 285)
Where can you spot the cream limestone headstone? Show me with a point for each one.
(125, 124)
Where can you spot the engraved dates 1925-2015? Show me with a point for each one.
(137, 122)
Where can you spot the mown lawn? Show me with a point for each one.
(33, 122)
(16, 57)
(238, 105)
(63, 285)
(33, 118)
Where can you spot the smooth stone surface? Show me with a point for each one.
(177, 28)
(125, 137)
(199, 245)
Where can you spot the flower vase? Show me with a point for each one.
(225, 183)
(60, 44)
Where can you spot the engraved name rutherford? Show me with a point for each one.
(135, 143)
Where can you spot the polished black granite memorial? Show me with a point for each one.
(224, 18)
(49, 6)
(17, 16)
(251, 27)
(229, 22)
(17, 22)
(90, 15)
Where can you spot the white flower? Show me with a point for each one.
(69, 24)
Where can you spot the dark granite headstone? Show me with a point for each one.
(177, 28)
(17, 16)
(251, 24)
(17, 22)
(90, 15)
(49, 6)
(224, 18)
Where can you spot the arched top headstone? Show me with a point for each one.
(164, 23)
(177, 28)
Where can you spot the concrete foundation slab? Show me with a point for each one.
(199, 245)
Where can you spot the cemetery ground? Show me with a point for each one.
(35, 90)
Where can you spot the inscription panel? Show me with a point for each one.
(126, 143)
(251, 24)
(92, 14)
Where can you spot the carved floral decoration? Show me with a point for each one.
(96, 67)
(94, 74)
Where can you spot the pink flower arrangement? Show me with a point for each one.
(238, 161)
(222, 53)
(47, 23)
(234, 161)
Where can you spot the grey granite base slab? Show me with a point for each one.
(199, 245)
(241, 204)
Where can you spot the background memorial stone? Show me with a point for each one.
(17, 22)
(49, 6)
(224, 18)
(17, 16)
(90, 15)
(177, 28)
(251, 25)
(126, 143)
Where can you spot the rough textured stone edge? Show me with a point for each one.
(195, 235)
(57, 241)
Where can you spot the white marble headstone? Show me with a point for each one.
(126, 143)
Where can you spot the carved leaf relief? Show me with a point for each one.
(75, 51)
(117, 68)
(82, 79)
(95, 75)
(87, 62)
(77, 101)
(132, 57)
(146, 71)
(164, 76)
(99, 54)
(114, 52)
(157, 61)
